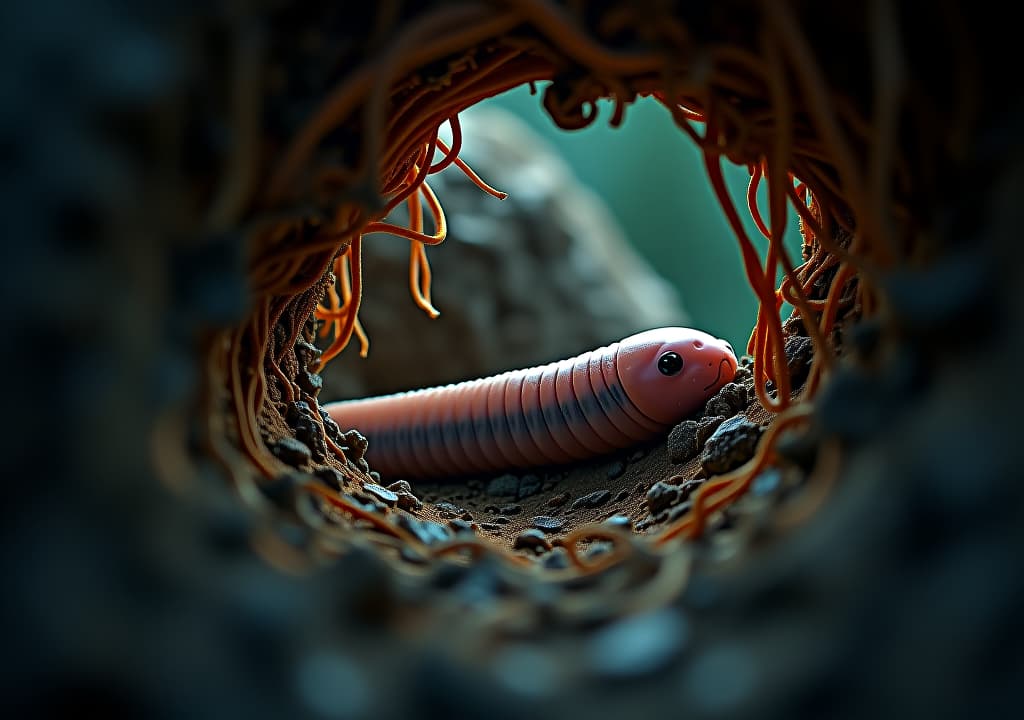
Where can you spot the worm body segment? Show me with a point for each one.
(579, 408)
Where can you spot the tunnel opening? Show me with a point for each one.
(757, 98)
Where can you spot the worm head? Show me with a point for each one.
(670, 372)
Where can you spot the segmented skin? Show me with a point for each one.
(575, 409)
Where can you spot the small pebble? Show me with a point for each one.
(291, 451)
(529, 485)
(637, 645)
(385, 496)
(727, 402)
(356, 444)
(281, 490)
(427, 532)
(637, 455)
(307, 354)
(331, 427)
(682, 441)
(450, 510)
(329, 477)
(615, 469)
(490, 527)
(593, 500)
(501, 520)
(310, 382)
(531, 539)
(678, 511)
(408, 501)
(510, 509)
(619, 521)
(558, 500)
(557, 559)
(799, 353)
(731, 445)
(400, 486)
(460, 526)
(547, 523)
(622, 496)
(503, 486)
(661, 496)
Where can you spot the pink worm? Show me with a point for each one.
(597, 402)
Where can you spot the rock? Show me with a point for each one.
(385, 496)
(622, 496)
(615, 469)
(331, 427)
(400, 486)
(593, 500)
(330, 477)
(547, 524)
(799, 353)
(727, 402)
(731, 445)
(558, 500)
(531, 539)
(427, 532)
(408, 501)
(682, 441)
(556, 559)
(281, 490)
(460, 526)
(356, 444)
(529, 485)
(662, 496)
(307, 354)
(450, 510)
(307, 430)
(310, 382)
(291, 451)
(638, 645)
(503, 486)
(621, 522)
(501, 520)
(511, 509)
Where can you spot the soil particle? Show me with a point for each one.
(310, 382)
(799, 352)
(529, 485)
(558, 500)
(356, 444)
(662, 496)
(503, 486)
(531, 539)
(511, 509)
(291, 451)
(615, 469)
(619, 522)
(678, 511)
(743, 376)
(593, 500)
(400, 486)
(331, 427)
(329, 477)
(281, 490)
(449, 510)
(460, 526)
(547, 523)
(385, 496)
(307, 354)
(425, 531)
(731, 445)
(307, 430)
(501, 520)
(686, 438)
(728, 401)
(408, 501)
(638, 645)
(557, 559)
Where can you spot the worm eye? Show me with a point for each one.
(670, 364)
